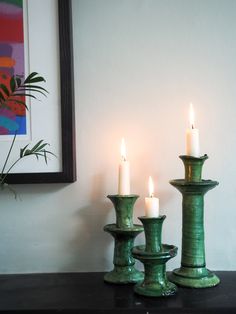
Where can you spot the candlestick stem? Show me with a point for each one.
(124, 209)
(193, 167)
(153, 233)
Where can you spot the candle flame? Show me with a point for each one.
(151, 187)
(191, 116)
(123, 149)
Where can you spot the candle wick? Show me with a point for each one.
(192, 126)
(123, 158)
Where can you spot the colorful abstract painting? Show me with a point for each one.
(12, 115)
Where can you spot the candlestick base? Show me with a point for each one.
(155, 283)
(124, 233)
(193, 272)
(154, 256)
(124, 271)
(124, 275)
(189, 277)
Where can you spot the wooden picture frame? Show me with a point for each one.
(68, 172)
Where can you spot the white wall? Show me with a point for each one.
(138, 64)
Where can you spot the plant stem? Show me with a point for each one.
(6, 174)
(8, 155)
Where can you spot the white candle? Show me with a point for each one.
(151, 202)
(192, 136)
(124, 173)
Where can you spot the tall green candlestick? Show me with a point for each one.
(193, 272)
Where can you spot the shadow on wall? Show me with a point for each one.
(89, 244)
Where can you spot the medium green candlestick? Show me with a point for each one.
(124, 233)
(193, 272)
(154, 256)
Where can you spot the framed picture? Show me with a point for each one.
(49, 52)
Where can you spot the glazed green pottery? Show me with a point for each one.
(154, 256)
(193, 167)
(124, 233)
(193, 272)
(124, 209)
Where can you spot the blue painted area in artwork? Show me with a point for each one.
(9, 124)
(21, 125)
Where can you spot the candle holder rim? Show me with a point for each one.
(122, 196)
(167, 251)
(114, 228)
(187, 157)
(193, 183)
(160, 217)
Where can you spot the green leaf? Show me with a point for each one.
(24, 94)
(37, 145)
(22, 150)
(37, 80)
(13, 84)
(27, 152)
(38, 150)
(35, 87)
(29, 77)
(33, 78)
(2, 96)
(18, 81)
(41, 147)
(31, 90)
(5, 89)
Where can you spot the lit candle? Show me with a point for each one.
(192, 136)
(124, 176)
(151, 202)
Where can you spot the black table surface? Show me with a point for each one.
(87, 293)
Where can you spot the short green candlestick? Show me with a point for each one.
(193, 272)
(154, 256)
(124, 233)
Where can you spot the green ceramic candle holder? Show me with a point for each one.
(124, 233)
(154, 256)
(193, 272)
